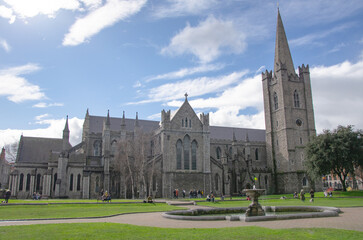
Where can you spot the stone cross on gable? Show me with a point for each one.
(186, 96)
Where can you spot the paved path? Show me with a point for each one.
(350, 219)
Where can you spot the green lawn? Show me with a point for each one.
(123, 231)
(77, 210)
(70, 200)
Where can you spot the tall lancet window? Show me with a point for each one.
(179, 149)
(186, 148)
(276, 102)
(296, 100)
(97, 148)
(194, 155)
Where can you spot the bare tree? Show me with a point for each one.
(131, 162)
(11, 150)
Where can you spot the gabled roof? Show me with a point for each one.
(37, 150)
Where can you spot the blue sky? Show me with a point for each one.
(61, 57)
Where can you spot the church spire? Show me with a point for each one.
(282, 52)
(137, 120)
(66, 128)
(123, 121)
(108, 118)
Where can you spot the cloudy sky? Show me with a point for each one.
(60, 57)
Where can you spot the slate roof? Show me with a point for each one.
(225, 133)
(96, 124)
(37, 150)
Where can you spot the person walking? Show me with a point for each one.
(302, 195)
(312, 195)
(7, 195)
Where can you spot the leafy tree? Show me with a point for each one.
(339, 152)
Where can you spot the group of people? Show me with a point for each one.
(36, 196)
(210, 197)
(330, 193)
(302, 195)
(105, 196)
(195, 194)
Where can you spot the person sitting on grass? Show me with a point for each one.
(208, 198)
(149, 200)
(106, 197)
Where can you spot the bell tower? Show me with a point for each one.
(289, 117)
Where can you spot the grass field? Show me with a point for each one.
(123, 231)
(77, 210)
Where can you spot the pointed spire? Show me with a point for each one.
(66, 128)
(87, 113)
(108, 118)
(137, 120)
(123, 121)
(282, 51)
(247, 138)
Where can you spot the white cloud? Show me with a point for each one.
(16, 88)
(187, 72)
(29, 9)
(7, 13)
(107, 15)
(194, 87)
(207, 40)
(46, 105)
(176, 8)
(229, 104)
(40, 117)
(54, 129)
(5, 45)
(337, 95)
(314, 37)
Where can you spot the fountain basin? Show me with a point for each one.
(238, 214)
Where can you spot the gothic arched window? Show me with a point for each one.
(27, 187)
(186, 147)
(186, 122)
(256, 153)
(78, 182)
(97, 148)
(179, 148)
(97, 188)
(218, 153)
(37, 186)
(304, 181)
(194, 155)
(113, 147)
(55, 181)
(216, 182)
(276, 103)
(21, 181)
(296, 99)
(71, 183)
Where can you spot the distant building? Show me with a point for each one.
(5, 167)
(185, 152)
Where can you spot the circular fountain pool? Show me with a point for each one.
(238, 214)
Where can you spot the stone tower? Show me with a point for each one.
(289, 117)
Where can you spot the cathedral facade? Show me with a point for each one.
(182, 151)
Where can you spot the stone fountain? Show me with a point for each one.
(254, 209)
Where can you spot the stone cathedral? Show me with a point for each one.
(184, 151)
